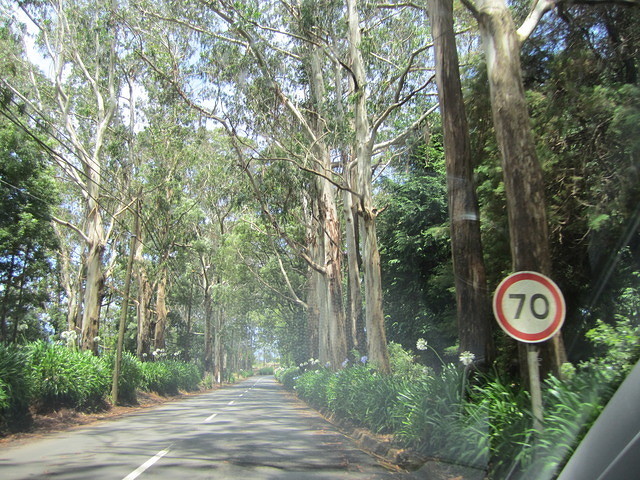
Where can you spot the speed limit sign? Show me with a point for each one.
(529, 306)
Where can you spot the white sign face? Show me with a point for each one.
(529, 306)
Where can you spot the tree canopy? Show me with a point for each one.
(282, 170)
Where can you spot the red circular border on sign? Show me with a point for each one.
(517, 334)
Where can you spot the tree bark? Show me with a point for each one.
(218, 364)
(313, 308)
(143, 339)
(124, 309)
(355, 309)
(472, 301)
(332, 315)
(208, 333)
(522, 172)
(374, 315)
(161, 310)
(94, 286)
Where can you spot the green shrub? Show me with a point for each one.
(484, 422)
(207, 382)
(288, 377)
(618, 347)
(266, 371)
(313, 387)
(570, 408)
(130, 377)
(167, 377)
(403, 364)
(67, 378)
(158, 377)
(189, 375)
(15, 388)
(349, 391)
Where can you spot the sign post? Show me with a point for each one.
(530, 307)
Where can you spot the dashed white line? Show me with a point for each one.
(147, 464)
(231, 402)
(210, 418)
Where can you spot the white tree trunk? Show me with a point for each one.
(374, 316)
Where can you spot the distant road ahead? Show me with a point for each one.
(251, 430)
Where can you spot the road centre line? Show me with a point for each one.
(138, 471)
(210, 417)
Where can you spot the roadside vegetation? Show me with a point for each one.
(457, 414)
(42, 377)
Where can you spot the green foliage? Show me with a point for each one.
(618, 348)
(570, 408)
(130, 377)
(438, 421)
(413, 234)
(15, 388)
(313, 386)
(158, 377)
(266, 371)
(402, 363)
(189, 375)
(167, 377)
(288, 377)
(473, 419)
(63, 377)
(27, 194)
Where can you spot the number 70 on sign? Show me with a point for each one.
(529, 306)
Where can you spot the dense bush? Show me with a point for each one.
(189, 375)
(15, 388)
(158, 377)
(167, 377)
(313, 387)
(266, 371)
(288, 377)
(49, 376)
(478, 420)
(64, 377)
(130, 379)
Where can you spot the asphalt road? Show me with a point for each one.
(251, 430)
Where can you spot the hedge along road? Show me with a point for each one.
(250, 430)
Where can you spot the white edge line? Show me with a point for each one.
(147, 464)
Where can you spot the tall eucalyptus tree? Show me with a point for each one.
(267, 71)
(523, 177)
(472, 299)
(81, 43)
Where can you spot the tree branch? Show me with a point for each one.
(399, 103)
(471, 7)
(72, 227)
(286, 279)
(538, 9)
(400, 139)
